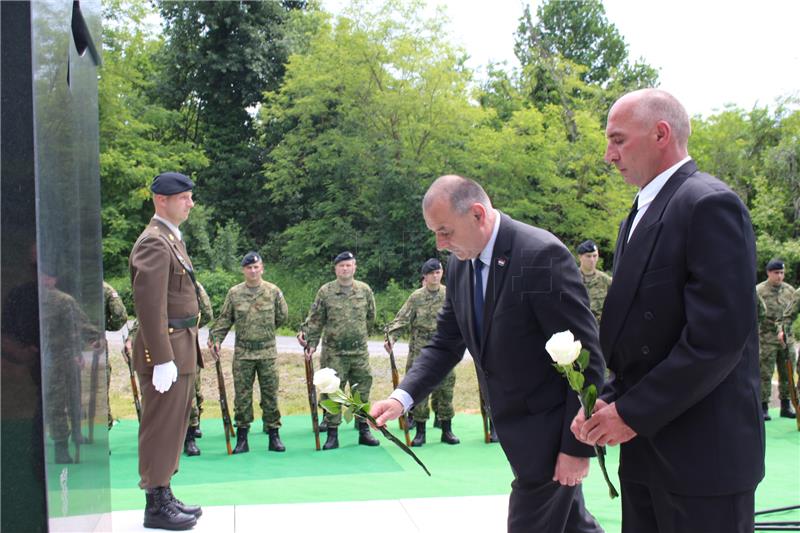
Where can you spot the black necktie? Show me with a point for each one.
(477, 302)
(629, 222)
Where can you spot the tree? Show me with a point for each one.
(137, 136)
(362, 124)
(218, 60)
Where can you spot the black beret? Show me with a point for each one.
(430, 265)
(250, 258)
(170, 183)
(344, 256)
(587, 247)
(774, 264)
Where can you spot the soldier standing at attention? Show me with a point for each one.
(418, 316)
(791, 314)
(116, 317)
(777, 296)
(596, 281)
(257, 308)
(165, 350)
(341, 315)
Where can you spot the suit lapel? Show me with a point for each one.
(629, 269)
(501, 262)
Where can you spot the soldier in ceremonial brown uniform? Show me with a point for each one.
(165, 350)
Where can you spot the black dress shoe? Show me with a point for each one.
(161, 513)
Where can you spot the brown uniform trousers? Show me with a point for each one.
(163, 293)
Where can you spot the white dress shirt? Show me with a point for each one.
(649, 192)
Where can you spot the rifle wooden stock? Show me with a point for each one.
(403, 421)
(137, 403)
(223, 400)
(312, 396)
(93, 389)
(792, 387)
(485, 416)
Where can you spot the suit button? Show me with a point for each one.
(648, 315)
(645, 350)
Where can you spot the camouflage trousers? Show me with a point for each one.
(244, 373)
(770, 355)
(63, 396)
(197, 402)
(441, 399)
(352, 369)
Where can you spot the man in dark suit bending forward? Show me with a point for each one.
(510, 287)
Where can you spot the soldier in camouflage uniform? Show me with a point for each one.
(257, 308)
(418, 317)
(341, 315)
(66, 331)
(596, 281)
(776, 295)
(116, 317)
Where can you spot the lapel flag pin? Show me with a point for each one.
(501, 261)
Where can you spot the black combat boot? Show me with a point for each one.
(62, 453)
(193, 510)
(765, 410)
(241, 441)
(419, 437)
(161, 513)
(333, 439)
(189, 446)
(323, 426)
(275, 444)
(365, 436)
(786, 409)
(447, 433)
(196, 431)
(436, 422)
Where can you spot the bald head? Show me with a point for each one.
(653, 105)
(460, 194)
(460, 213)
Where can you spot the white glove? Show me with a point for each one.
(164, 375)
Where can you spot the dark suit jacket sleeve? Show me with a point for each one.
(440, 355)
(717, 324)
(151, 259)
(566, 307)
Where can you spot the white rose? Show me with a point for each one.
(563, 348)
(326, 380)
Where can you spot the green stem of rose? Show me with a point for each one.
(600, 451)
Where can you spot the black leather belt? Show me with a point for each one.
(253, 345)
(183, 323)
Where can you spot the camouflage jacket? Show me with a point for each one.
(344, 314)
(597, 285)
(116, 315)
(776, 299)
(256, 315)
(417, 317)
(791, 313)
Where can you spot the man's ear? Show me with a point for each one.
(478, 212)
(663, 132)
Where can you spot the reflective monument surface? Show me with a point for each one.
(53, 422)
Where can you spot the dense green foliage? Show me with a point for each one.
(308, 135)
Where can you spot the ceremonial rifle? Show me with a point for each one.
(223, 398)
(312, 393)
(395, 382)
(126, 354)
(790, 375)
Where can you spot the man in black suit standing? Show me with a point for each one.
(679, 334)
(510, 287)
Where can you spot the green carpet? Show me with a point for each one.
(353, 472)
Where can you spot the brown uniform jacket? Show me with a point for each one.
(163, 290)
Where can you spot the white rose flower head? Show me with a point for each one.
(563, 348)
(326, 380)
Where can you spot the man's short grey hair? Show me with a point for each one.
(656, 104)
(461, 193)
